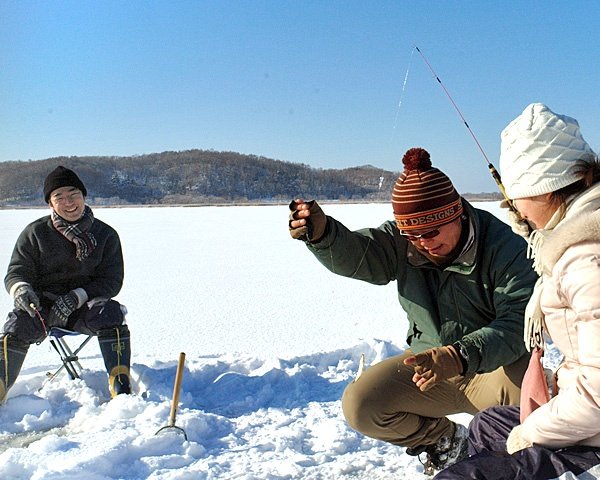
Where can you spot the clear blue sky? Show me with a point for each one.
(314, 82)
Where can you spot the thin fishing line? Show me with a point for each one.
(492, 169)
(454, 104)
(381, 178)
(397, 115)
(359, 263)
(403, 89)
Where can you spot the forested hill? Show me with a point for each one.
(194, 177)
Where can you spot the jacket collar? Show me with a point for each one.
(580, 223)
(583, 228)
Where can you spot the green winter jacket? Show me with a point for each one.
(478, 301)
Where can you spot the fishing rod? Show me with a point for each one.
(493, 171)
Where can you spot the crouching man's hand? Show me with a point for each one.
(434, 365)
(307, 221)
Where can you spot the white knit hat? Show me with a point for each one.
(541, 152)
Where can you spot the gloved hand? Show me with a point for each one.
(434, 365)
(63, 306)
(307, 220)
(24, 298)
(519, 225)
(515, 441)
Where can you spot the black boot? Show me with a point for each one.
(447, 451)
(116, 351)
(12, 355)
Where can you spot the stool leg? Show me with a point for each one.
(66, 357)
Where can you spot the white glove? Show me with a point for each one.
(515, 441)
(519, 225)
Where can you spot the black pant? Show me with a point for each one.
(89, 321)
(489, 459)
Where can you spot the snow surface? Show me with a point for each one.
(271, 339)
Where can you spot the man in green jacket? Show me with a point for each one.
(463, 280)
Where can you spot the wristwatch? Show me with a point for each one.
(464, 356)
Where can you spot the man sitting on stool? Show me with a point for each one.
(64, 271)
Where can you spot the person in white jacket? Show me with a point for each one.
(553, 178)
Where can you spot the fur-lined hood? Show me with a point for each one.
(582, 228)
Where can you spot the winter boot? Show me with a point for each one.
(447, 451)
(116, 351)
(12, 355)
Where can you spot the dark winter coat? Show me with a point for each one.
(46, 260)
(478, 301)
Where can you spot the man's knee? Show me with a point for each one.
(23, 328)
(109, 315)
(356, 409)
(367, 402)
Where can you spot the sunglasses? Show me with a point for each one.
(427, 235)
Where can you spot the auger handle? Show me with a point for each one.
(176, 389)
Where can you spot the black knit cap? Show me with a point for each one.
(62, 177)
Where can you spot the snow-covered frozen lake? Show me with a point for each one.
(271, 340)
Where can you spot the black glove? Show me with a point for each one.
(315, 226)
(63, 306)
(26, 299)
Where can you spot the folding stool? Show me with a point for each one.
(68, 356)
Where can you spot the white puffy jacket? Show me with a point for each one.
(570, 302)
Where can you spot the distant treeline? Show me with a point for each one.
(197, 177)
